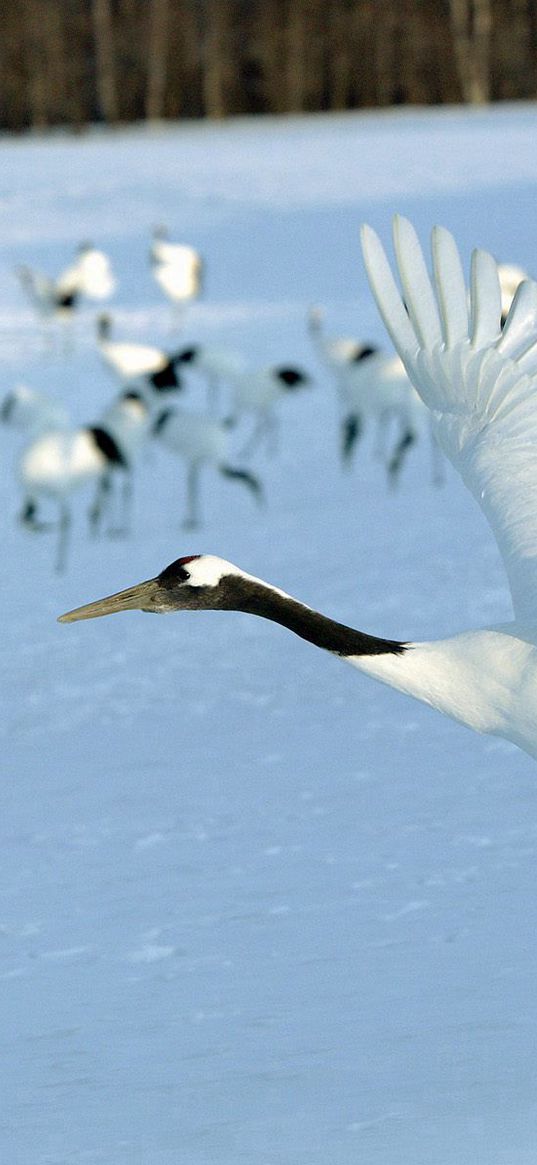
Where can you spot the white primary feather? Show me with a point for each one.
(480, 384)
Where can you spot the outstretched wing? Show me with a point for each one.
(479, 382)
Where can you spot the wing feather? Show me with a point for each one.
(387, 294)
(521, 323)
(451, 287)
(479, 382)
(485, 300)
(419, 296)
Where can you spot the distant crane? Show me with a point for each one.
(56, 300)
(59, 461)
(130, 361)
(177, 268)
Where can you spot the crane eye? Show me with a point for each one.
(176, 572)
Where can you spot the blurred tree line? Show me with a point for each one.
(71, 62)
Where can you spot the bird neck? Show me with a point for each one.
(457, 676)
(270, 603)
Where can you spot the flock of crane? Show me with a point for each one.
(475, 369)
(57, 460)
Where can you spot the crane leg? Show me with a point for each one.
(192, 497)
(102, 497)
(28, 517)
(125, 505)
(212, 395)
(64, 528)
(437, 459)
(395, 464)
(351, 431)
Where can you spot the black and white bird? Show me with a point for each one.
(481, 384)
(253, 391)
(375, 389)
(89, 276)
(58, 462)
(372, 389)
(131, 361)
(200, 441)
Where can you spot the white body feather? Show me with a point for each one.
(379, 384)
(196, 437)
(128, 360)
(256, 391)
(58, 463)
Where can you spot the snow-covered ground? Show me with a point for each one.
(256, 909)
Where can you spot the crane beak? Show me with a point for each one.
(138, 598)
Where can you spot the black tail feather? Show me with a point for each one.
(166, 378)
(249, 479)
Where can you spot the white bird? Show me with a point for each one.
(177, 268)
(93, 272)
(89, 275)
(200, 440)
(130, 361)
(481, 384)
(60, 461)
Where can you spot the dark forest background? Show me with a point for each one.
(72, 62)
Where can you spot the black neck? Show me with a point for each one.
(256, 599)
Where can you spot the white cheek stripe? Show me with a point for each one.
(208, 570)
